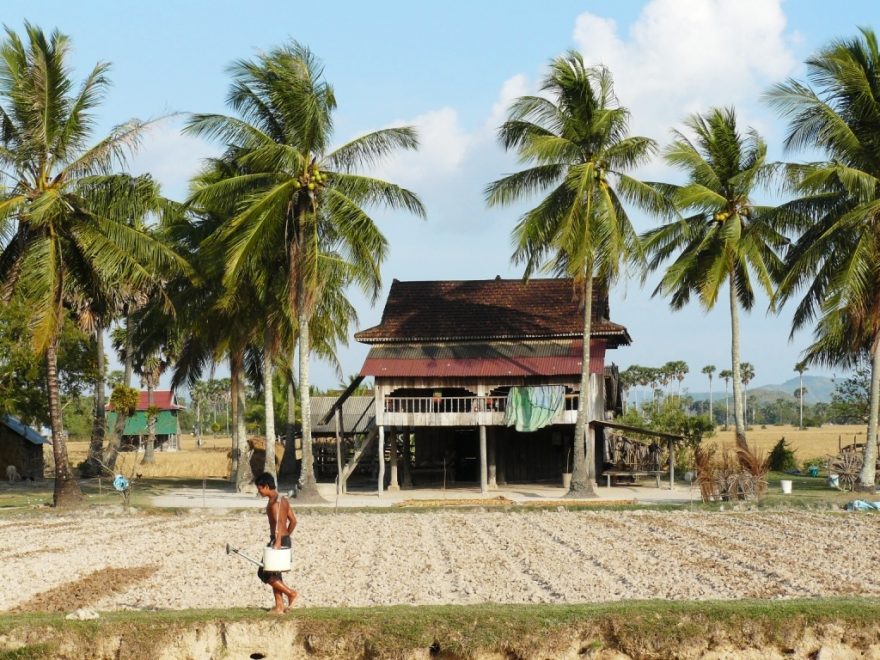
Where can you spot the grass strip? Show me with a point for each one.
(637, 628)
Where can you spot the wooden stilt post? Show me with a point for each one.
(407, 458)
(381, 457)
(338, 417)
(493, 468)
(484, 481)
(671, 464)
(500, 456)
(394, 486)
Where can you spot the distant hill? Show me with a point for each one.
(819, 389)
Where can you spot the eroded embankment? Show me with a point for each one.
(744, 629)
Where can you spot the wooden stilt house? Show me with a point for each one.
(477, 382)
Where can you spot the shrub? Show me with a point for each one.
(782, 457)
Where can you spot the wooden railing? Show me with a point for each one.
(457, 404)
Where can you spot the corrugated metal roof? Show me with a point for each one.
(17, 426)
(358, 414)
(162, 399)
(477, 350)
(501, 359)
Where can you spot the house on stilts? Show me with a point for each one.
(477, 382)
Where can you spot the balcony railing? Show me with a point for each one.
(457, 404)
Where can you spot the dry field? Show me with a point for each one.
(209, 461)
(807, 443)
(146, 562)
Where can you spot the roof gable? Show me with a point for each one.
(489, 309)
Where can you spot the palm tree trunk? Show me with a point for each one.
(290, 429)
(66, 492)
(801, 397)
(581, 483)
(119, 426)
(711, 413)
(234, 367)
(269, 402)
(726, 405)
(738, 411)
(99, 422)
(244, 476)
(867, 477)
(308, 483)
(150, 447)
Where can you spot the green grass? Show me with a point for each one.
(642, 628)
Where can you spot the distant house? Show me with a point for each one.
(167, 425)
(478, 381)
(21, 446)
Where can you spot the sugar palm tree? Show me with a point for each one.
(835, 259)
(709, 370)
(746, 374)
(57, 238)
(575, 140)
(726, 375)
(801, 367)
(724, 237)
(299, 201)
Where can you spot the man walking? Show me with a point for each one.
(282, 522)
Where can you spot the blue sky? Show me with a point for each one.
(451, 68)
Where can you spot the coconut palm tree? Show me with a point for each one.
(298, 202)
(724, 237)
(57, 240)
(575, 139)
(835, 258)
(709, 369)
(726, 375)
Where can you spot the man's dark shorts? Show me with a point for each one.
(270, 576)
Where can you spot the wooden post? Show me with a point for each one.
(671, 464)
(484, 481)
(493, 468)
(381, 456)
(500, 457)
(394, 486)
(338, 418)
(407, 457)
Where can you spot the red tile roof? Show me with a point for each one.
(490, 309)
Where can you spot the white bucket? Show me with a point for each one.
(786, 486)
(566, 480)
(276, 560)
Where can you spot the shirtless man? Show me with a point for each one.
(282, 522)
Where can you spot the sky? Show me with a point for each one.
(451, 69)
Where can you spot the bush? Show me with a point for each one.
(782, 457)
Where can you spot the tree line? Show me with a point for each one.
(252, 268)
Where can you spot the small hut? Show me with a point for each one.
(167, 426)
(21, 446)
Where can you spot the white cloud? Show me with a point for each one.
(171, 157)
(683, 56)
(512, 89)
(443, 146)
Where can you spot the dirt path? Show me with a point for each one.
(357, 559)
